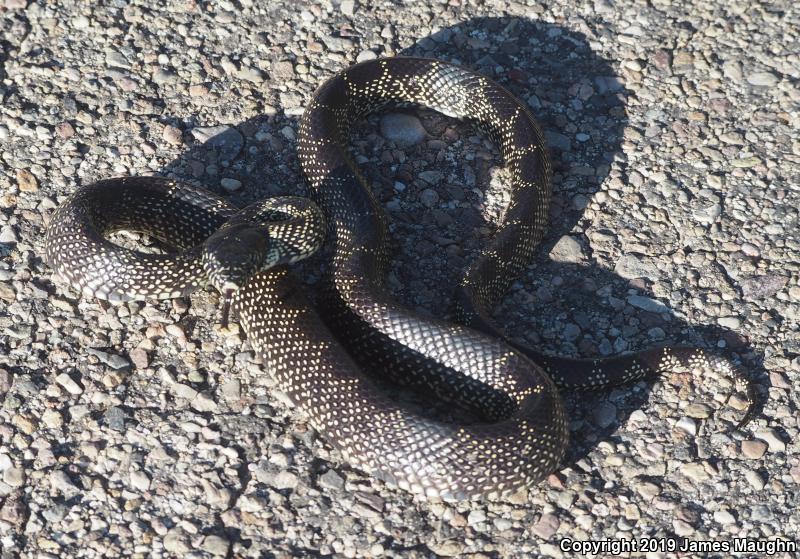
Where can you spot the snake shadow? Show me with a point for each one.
(580, 101)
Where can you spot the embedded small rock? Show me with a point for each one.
(403, 129)
(647, 304)
(172, 135)
(762, 79)
(69, 385)
(226, 140)
(754, 449)
(26, 181)
(215, 545)
(567, 249)
(631, 266)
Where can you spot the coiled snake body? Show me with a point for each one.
(524, 435)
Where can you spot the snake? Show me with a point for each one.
(331, 353)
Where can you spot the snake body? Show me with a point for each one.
(316, 352)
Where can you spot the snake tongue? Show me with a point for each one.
(226, 307)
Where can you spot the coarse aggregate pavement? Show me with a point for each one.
(143, 430)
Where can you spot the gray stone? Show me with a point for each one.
(772, 438)
(759, 287)
(60, 481)
(115, 418)
(754, 449)
(8, 234)
(331, 480)
(232, 390)
(558, 141)
(285, 480)
(6, 379)
(69, 385)
(172, 135)
(225, 140)
(140, 481)
(139, 358)
(403, 129)
(164, 76)
(682, 528)
(365, 55)
(184, 391)
(708, 213)
(732, 322)
(116, 362)
(14, 510)
(56, 513)
(567, 249)
(215, 545)
(646, 304)
(250, 74)
(762, 79)
(687, 425)
(14, 477)
(114, 58)
(755, 479)
(204, 402)
(429, 197)
(546, 527)
(724, 516)
(230, 185)
(176, 541)
(431, 177)
(630, 266)
(604, 414)
(699, 410)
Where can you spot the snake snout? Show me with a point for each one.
(233, 254)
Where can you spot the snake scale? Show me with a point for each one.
(316, 352)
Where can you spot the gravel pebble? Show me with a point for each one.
(546, 526)
(172, 135)
(567, 249)
(631, 266)
(140, 481)
(754, 449)
(60, 481)
(139, 358)
(647, 304)
(226, 141)
(605, 414)
(331, 480)
(285, 480)
(215, 545)
(230, 185)
(26, 181)
(176, 541)
(14, 477)
(69, 384)
(764, 79)
(112, 360)
(403, 129)
(772, 438)
(731, 322)
(699, 411)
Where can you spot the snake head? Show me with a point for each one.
(231, 256)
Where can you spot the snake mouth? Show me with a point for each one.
(226, 306)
